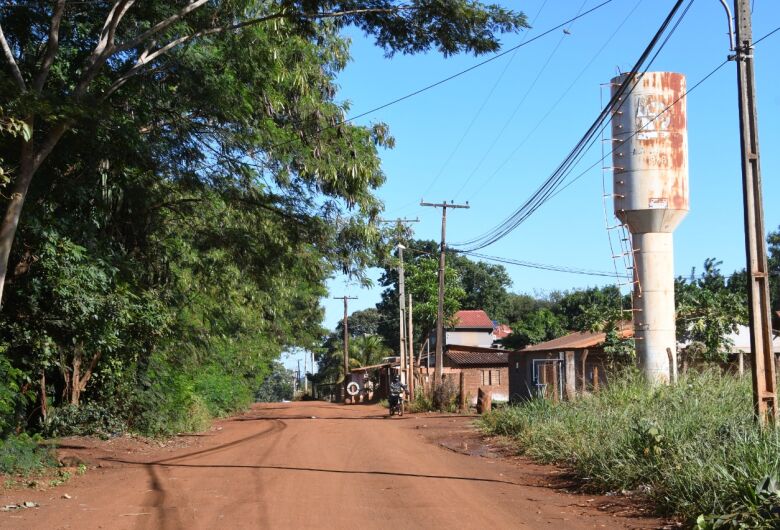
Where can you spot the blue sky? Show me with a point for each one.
(493, 135)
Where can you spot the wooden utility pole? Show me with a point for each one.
(440, 313)
(410, 349)
(346, 343)
(763, 365)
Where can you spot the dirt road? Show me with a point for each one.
(314, 465)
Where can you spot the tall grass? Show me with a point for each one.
(693, 447)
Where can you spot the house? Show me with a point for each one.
(560, 367)
(473, 327)
(484, 368)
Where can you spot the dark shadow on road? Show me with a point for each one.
(319, 470)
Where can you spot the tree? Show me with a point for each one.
(360, 323)
(485, 285)
(708, 310)
(535, 327)
(250, 84)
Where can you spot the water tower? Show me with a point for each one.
(650, 157)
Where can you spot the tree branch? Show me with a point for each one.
(160, 26)
(52, 45)
(9, 57)
(105, 46)
(145, 58)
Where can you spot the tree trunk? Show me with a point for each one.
(75, 376)
(44, 404)
(14, 210)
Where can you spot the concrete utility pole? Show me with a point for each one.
(402, 311)
(346, 343)
(763, 365)
(404, 350)
(299, 374)
(305, 379)
(440, 313)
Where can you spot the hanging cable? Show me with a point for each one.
(550, 185)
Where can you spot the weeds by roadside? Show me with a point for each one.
(693, 448)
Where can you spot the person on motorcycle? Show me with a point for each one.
(397, 389)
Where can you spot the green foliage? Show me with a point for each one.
(708, 310)
(22, 453)
(88, 419)
(277, 385)
(12, 400)
(538, 326)
(694, 447)
(177, 237)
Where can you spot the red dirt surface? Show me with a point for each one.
(315, 465)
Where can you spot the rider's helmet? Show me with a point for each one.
(396, 378)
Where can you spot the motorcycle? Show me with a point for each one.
(396, 405)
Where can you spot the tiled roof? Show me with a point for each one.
(473, 318)
(474, 355)
(578, 340)
(501, 331)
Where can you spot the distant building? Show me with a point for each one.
(484, 368)
(473, 327)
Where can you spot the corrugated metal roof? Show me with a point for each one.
(474, 355)
(372, 367)
(473, 318)
(578, 340)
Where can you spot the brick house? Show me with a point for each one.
(482, 367)
(562, 367)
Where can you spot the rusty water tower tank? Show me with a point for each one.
(650, 157)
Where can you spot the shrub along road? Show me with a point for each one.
(315, 465)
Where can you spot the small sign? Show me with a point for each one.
(658, 203)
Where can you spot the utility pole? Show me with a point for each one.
(410, 349)
(403, 348)
(346, 343)
(402, 312)
(299, 374)
(305, 379)
(763, 365)
(440, 313)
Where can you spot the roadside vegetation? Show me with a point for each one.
(178, 183)
(692, 448)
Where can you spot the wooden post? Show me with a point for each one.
(462, 391)
(555, 381)
(595, 378)
(584, 373)
(741, 364)
(484, 401)
(571, 376)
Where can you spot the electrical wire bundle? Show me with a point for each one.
(552, 184)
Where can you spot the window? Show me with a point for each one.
(491, 377)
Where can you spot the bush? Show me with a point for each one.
(222, 393)
(22, 454)
(693, 447)
(170, 405)
(87, 419)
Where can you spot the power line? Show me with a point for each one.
(542, 194)
(520, 103)
(546, 115)
(543, 266)
(481, 107)
(473, 67)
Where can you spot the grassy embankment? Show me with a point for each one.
(693, 448)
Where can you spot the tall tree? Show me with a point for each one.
(245, 90)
